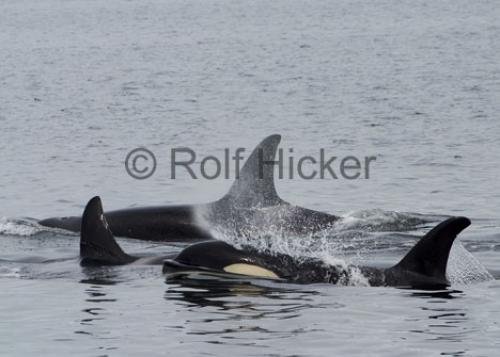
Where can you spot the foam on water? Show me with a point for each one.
(380, 220)
(26, 227)
(18, 227)
(354, 276)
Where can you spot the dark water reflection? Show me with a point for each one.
(98, 302)
(441, 294)
(445, 320)
(243, 313)
(112, 311)
(234, 294)
(234, 312)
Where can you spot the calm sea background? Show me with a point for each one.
(414, 83)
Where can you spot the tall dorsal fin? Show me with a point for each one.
(255, 185)
(429, 257)
(97, 244)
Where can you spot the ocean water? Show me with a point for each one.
(415, 84)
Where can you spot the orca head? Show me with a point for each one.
(218, 257)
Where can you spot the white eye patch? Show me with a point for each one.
(251, 270)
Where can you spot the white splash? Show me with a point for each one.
(354, 276)
(464, 268)
(18, 227)
(380, 220)
(357, 231)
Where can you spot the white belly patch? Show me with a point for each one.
(251, 270)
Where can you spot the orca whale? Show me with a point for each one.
(252, 202)
(423, 267)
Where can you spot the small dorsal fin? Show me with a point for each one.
(255, 185)
(97, 244)
(429, 257)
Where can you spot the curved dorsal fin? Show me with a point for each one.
(255, 185)
(429, 256)
(97, 244)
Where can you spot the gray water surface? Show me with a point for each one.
(416, 84)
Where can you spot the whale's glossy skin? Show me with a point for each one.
(169, 223)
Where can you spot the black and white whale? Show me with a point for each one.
(252, 202)
(423, 267)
